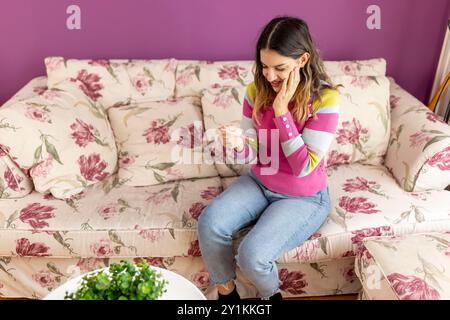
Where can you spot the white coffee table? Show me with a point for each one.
(177, 288)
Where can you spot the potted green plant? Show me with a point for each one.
(121, 281)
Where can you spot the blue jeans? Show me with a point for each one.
(282, 223)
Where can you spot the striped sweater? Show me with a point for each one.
(293, 163)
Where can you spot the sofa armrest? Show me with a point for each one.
(418, 154)
(34, 87)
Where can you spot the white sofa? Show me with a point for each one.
(387, 169)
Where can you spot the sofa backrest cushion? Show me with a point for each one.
(116, 81)
(160, 141)
(62, 137)
(363, 131)
(223, 106)
(192, 76)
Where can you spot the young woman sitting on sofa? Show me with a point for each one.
(292, 99)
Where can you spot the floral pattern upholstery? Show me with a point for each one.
(419, 146)
(408, 267)
(116, 81)
(44, 240)
(35, 277)
(193, 76)
(166, 147)
(61, 137)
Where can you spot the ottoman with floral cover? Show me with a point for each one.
(410, 267)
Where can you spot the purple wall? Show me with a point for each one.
(410, 37)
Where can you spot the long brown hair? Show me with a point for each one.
(290, 37)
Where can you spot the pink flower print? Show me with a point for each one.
(40, 89)
(409, 287)
(347, 254)
(201, 279)
(292, 282)
(419, 195)
(393, 101)
(100, 62)
(158, 197)
(191, 137)
(90, 84)
(359, 235)
(157, 134)
(441, 160)
(152, 235)
(357, 205)
(211, 192)
(108, 211)
(351, 132)
(126, 161)
(12, 181)
(196, 210)
(35, 215)
(361, 81)
(153, 261)
(223, 100)
(194, 249)
(91, 168)
(102, 248)
(418, 139)
(140, 83)
(185, 77)
(173, 174)
(348, 68)
(48, 196)
(349, 274)
(315, 235)
(45, 279)
(90, 264)
(53, 63)
(358, 184)
(83, 133)
(307, 251)
(4, 150)
(230, 72)
(43, 168)
(433, 117)
(26, 249)
(37, 114)
(171, 66)
(335, 157)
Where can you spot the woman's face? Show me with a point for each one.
(276, 67)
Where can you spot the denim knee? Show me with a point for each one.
(208, 223)
(250, 259)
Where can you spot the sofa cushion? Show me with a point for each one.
(108, 219)
(116, 81)
(223, 105)
(409, 267)
(364, 120)
(365, 68)
(62, 138)
(366, 201)
(160, 141)
(192, 76)
(13, 182)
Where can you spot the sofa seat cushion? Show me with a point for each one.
(108, 219)
(409, 267)
(367, 201)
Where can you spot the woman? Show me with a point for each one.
(294, 110)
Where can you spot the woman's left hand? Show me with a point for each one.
(280, 104)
